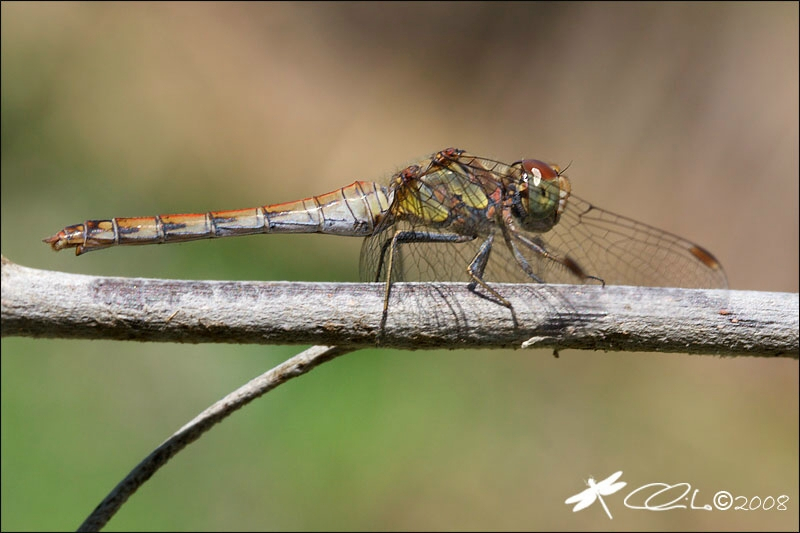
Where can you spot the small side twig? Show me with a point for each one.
(291, 368)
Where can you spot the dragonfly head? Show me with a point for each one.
(541, 195)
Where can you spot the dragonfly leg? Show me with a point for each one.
(478, 265)
(536, 246)
(404, 237)
(523, 263)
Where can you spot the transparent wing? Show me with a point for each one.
(586, 245)
(622, 251)
(435, 261)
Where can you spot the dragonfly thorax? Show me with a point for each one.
(541, 196)
(437, 196)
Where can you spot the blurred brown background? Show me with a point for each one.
(684, 116)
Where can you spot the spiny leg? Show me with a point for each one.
(477, 267)
(521, 260)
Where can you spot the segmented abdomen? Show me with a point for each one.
(354, 210)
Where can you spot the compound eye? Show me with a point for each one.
(538, 170)
(541, 196)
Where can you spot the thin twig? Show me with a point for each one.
(38, 303)
(291, 368)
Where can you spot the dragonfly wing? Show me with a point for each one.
(622, 251)
(588, 242)
(457, 194)
(442, 261)
(452, 194)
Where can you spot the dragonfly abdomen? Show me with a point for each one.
(355, 210)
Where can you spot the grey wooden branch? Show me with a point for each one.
(38, 303)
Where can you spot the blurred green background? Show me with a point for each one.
(684, 116)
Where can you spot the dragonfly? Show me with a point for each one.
(450, 217)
